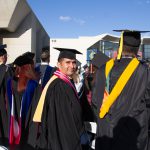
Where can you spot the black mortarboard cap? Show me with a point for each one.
(2, 50)
(26, 58)
(85, 66)
(67, 53)
(99, 59)
(129, 38)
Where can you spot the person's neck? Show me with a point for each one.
(70, 77)
(128, 55)
(44, 63)
(1, 63)
(22, 84)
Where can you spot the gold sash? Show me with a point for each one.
(39, 109)
(123, 79)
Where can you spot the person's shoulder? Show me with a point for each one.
(144, 64)
(55, 85)
(50, 66)
(58, 83)
(37, 65)
(3, 66)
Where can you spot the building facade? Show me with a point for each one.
(89, 46)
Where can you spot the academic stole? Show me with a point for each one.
(109, 99)
(15, 125)
(39, 109)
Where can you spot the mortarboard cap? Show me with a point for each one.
(2, 50)
(129, 38)
(99, 59)
(85, 66)
(26, 58)
(67, 53)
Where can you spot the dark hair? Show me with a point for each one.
(130, 49)
(45, 56)
(60, 59)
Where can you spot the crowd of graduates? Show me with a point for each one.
(22, 84)
(57, 108)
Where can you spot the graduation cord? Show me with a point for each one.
(67, 80)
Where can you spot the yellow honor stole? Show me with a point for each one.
(109, 99)
(39, 109)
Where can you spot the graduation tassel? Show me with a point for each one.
(120, 47)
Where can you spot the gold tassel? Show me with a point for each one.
(120, 46)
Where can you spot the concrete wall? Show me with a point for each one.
(18, 45)
(28, 36)
(12, 12)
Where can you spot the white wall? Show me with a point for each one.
(17, 46)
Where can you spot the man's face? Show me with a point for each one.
(67, 66)
(3, 59)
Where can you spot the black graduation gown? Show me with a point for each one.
(29, 129)
(125, 127)
(62, 124)
(5, 74)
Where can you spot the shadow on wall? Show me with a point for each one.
(25, 25)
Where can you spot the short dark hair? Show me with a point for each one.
(130, 49)
(45, 56)
(60, 59)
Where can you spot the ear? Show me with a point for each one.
(58, 65)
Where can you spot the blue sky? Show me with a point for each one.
(74, 18)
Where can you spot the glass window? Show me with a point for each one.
(147, 51)
(110, 48)
(91, 53)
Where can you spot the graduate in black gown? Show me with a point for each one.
(23, 93)
(122, 118)
(5, 73)
(59, 109)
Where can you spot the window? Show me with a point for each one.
(147, 51)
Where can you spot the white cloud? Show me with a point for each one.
(79, 21)
(65, 18)
(75, 20)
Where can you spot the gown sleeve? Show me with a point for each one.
(33, 127)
